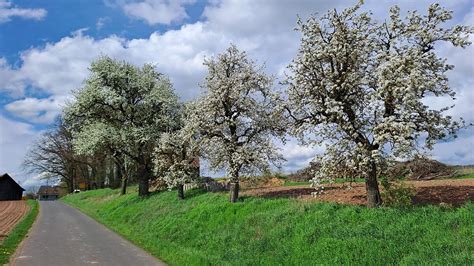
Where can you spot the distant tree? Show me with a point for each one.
(125, 109)
(106, 142)
(237, 117)
(52, 155)
(359, 86)
(176, 160)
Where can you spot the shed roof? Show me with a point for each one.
(8, 177)
(48, 190)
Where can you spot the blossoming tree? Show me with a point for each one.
(124, 108)
(359, 87)
(176, 159)
(237, 116)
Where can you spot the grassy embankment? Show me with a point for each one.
(206, 229)
(464, 172)
(11, 242)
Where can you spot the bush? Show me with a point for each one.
(397, 193)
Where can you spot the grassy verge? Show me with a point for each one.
(206, 229)
(295, 183)
(11, 242)
(464, 172)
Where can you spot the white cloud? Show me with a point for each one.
(9, 81)
(298, 156)
(247, 17)
(15, 138)
(459, 151)
(8, 10)
(42, 111)
(58, 68)
(157, 11)
(101, 23)
(33, 183)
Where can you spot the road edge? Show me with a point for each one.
(116, 233)
(18, 249)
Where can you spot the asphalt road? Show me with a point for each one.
(64, 236)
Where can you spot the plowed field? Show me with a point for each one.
(450, 191)
(11, 213)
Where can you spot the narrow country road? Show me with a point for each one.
(64, 236)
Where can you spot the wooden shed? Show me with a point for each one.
(9, 189)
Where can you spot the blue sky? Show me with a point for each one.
(46, 47)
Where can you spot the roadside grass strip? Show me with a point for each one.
(14, 238)
(205, 229)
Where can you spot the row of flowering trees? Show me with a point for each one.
(356, 85)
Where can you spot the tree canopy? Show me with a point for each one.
(125, 109)
(237, 116)
(359, 87)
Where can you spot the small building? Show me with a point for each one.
(9, 189)
(48, 193)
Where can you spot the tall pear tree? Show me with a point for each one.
(124, 108)
(360, 87)
(237, 117)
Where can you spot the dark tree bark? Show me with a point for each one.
(116, 176)
(181, 191)
(70, 187)
(143, 186)
(372, 186)
(123, 189)
(144, 174)
(70, 181)
(234, 191)
(234, 183)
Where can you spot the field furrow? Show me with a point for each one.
(11, 212)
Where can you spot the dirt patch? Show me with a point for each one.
(258, 183)
(454, 195)
(453, 192)
(11, 213)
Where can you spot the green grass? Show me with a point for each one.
(294, 183)
(463, 176)
(10, 243)
(205, 229)
(464, 172)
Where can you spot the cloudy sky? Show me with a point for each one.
(46, 47)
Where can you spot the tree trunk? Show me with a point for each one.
(234, 184)
(143, 180)
(143, 185)
(181, 191)
(70, 182)
(92, 175)
(372, 187)
(70, 187)
(117, 174)
(123, 189)
(234, 191)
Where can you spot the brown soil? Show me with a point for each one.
(11, 213)
(262, 183)
(448, 191)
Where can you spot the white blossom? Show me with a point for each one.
(358, 85)
(123, 109)
(177, 158)
(237, 116)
